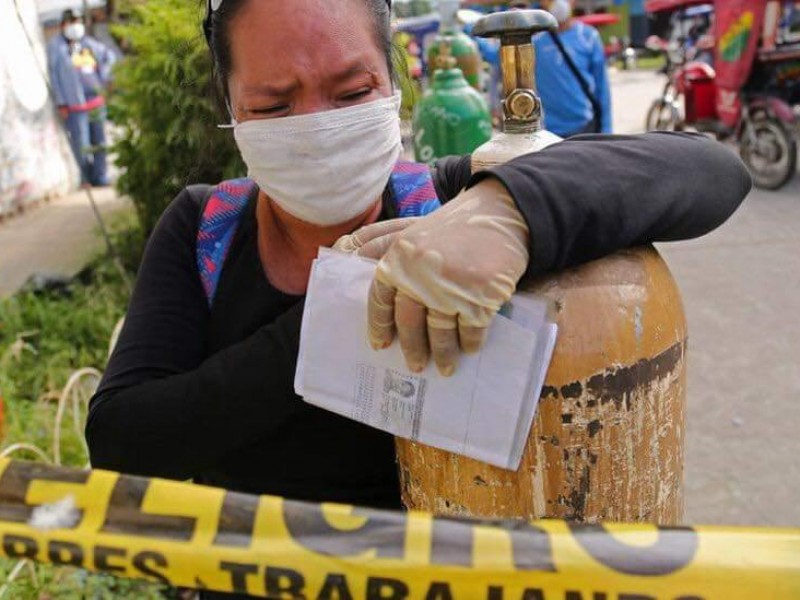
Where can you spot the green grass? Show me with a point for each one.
(44, 337)
(650, 63)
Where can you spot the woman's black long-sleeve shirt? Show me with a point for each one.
(205, 394)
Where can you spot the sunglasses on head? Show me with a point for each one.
(213, 5)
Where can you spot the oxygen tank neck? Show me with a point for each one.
(445, 60)
(522, 108)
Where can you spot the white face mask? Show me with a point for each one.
(561, 10)
(328, 167)
(74, 31)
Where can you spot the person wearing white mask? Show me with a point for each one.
(200, 384)
(79, 68)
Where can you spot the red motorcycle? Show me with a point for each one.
(744, 96)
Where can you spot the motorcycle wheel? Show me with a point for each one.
(662, 116)
(769, 151)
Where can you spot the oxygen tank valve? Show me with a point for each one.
(522, 108)
(448, 13)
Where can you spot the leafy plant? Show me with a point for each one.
(164, 103)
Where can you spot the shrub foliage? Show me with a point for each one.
(165, 107)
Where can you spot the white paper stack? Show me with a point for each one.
(484, 411)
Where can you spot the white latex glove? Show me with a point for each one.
(444, 278)
(373, 240)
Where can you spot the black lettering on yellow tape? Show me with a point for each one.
(673, 550)
(150, 564)
(236, 520)
(105, 558)
(382, 532)
(320, 552)
(281, 583)
(17, 546)
(239, 574)
(110, 560)
(439, 590)
(453, 541)
(65, 553)
(335, 586)
(124, 514)
(16, 480)
(385, 588)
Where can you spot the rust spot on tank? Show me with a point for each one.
(549, 391)
(592, 458)
(566, 418)
(573, 390)
(613, 384)
(579, 495)
(595, 427)
(554, 440)
(480, 480)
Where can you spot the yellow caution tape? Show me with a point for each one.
(193, 536)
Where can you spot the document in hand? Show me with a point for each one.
(484, 411)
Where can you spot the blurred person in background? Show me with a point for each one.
(568, 110)
(80, 71)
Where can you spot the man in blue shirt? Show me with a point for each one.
(80, 69)
(567, 110)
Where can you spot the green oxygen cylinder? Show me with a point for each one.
(451, 118)
(462, 47)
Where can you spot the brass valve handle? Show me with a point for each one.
(517, 59)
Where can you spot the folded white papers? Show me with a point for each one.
(484, 411)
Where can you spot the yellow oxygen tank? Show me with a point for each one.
(607, 443)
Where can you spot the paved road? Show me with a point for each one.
(633, 91)
(55, 238)
(740, 288)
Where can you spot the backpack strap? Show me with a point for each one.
(413, 194)
(412, 189)
(219, 220)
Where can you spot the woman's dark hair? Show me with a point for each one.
(217, 23)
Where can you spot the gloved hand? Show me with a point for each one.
(373, 240)
(442, 280)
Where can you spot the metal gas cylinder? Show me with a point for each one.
(451, 118)
(462, 47)
(607, 443)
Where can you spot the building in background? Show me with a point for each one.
(35, 159)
